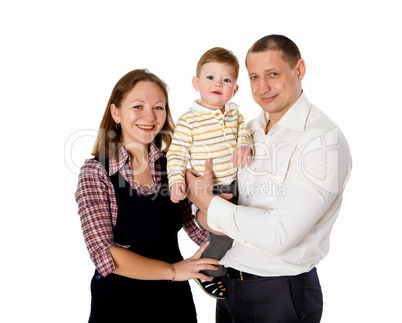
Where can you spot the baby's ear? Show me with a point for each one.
(195, 83)
(236, 88)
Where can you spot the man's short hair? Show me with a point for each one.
(289, 49)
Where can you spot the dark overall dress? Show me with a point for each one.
(149, 224)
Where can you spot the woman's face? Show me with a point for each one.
(141, 114)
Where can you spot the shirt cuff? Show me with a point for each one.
(194, 209)
(176, 178)
(103, 262)
(220, 213)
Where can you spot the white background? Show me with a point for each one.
(59, 63)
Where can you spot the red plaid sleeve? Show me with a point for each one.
(96, 203)
(198, 236)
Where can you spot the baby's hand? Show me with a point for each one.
(177, 192)
(241, 156)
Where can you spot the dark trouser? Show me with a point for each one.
(219, 245)
(287, 299)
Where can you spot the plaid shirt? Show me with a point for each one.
(97, 206)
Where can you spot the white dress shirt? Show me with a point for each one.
(290, 195)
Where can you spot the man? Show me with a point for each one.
(289, 197)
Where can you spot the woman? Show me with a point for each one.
(129, 223)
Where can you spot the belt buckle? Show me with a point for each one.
(241, 275)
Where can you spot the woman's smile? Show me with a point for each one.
(146, 127)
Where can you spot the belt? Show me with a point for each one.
(240, 275)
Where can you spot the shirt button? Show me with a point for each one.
(247, 196)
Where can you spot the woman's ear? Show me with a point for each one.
(115, 113)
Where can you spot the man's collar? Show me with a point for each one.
(295, 118)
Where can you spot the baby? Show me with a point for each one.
(212, 128)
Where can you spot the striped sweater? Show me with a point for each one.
(202, 133)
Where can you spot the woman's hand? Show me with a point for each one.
(190, 268)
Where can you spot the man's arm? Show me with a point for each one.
(292, 215)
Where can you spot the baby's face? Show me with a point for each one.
(216, 84)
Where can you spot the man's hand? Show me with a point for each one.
(202, 217)
(199, 191)
(199, 188)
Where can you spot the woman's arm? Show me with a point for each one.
(95, 210)
(198, 236)
(132, 265)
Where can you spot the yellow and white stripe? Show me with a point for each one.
(202, 133)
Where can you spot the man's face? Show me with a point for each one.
(275, 86)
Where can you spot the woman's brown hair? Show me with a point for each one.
(109, 135)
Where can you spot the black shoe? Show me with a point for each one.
(214, 288)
